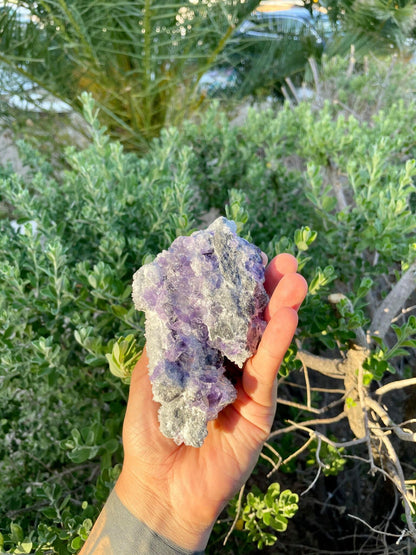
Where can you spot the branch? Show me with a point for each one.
(394, 302)
(400, 384)
(327, 366)
(405, 435)
(315, 422)
(237, 513)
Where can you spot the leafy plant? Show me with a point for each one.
(330, 182)
(269, 510)
(140, 60)
(67, 259)
(330, 459)
(372, 27)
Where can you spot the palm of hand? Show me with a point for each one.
(199, 481)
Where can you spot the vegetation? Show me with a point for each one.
(330, 180)
(141, 61)
(380, 26)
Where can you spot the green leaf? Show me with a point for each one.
(16, 532)
(77, 543)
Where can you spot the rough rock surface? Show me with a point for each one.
(203, 299)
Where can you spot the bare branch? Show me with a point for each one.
(405, 435)
(400, 384)
(308, 408)
(394, 302)
(308, 386)
(395, 473)
(292, 456)
(237, 513)
(292, 89)
(375, 529)
(297, 406)
(286, 95)
(326, 366)
(284, 381)
(335, 444)
(315, 74)
(315, 422)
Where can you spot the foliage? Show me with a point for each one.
(65, 279)
(330, 458)
(379, 26)
(264, 56)
(331, 182)
(269, 510)
(140, 60)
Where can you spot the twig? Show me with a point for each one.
(375, 529)
(315, 75)
(237, 514)
(321, 465)
(271, 461)
(286, 95)
(310, 409)
(405, 435)
(335, 444)
(319, 389)
(307, 385)
(297, 406)
(292, 89)
(348, 109)
(294, 455)
(312, 484)
(316, 422)
(403, 311)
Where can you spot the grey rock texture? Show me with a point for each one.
(204, 300)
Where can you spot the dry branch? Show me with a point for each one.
(326, 366)
(394, 302)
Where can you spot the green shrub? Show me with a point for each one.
(337, 190)
(65, 298)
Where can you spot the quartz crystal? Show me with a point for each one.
(203, 300)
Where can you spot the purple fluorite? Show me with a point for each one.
(204, 300)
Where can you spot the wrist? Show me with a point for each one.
(154, 509)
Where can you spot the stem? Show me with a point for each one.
(393, 303)
(395, 385)
(328, 367)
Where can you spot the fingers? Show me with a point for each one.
(140, 394)
(290, 291)
(287, 290)
(259, 376)
(281, 265)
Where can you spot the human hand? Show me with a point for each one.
(178, 491)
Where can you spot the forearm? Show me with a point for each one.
(118, 532)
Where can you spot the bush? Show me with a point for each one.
(65, 279)
(334, 188)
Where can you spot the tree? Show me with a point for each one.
(141, 60)
(379, 26)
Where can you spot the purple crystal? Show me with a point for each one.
(204, 300)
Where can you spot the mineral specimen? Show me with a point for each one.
(203, 299)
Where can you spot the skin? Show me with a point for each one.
(179, 491)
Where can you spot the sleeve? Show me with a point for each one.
(130, 536)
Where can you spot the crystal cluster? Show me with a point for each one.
(203, 299)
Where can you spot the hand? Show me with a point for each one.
(179, 491)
